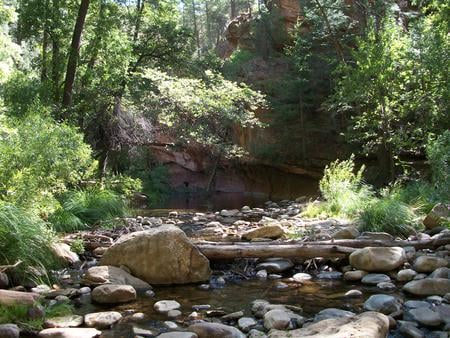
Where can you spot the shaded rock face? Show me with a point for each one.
(162, 255)
(378, 258)
(365, 325)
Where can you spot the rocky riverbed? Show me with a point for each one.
(149, 278)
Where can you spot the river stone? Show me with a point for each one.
(425, 316)
(4, 280)
(332, 313)
(377, 259)
(209, 330)
(105, 274)
(429, 263)
(346, 233)
(246, 323)
(64, 321)
(178, 335)
(164, 306)
(440, 273)
(382, 303)
(64, 253)
(330, 275)
(353, 276)
(428, 287)
(365, 325)
(272, 231)
(414, 304)
(353, 294)
(256, 334)
(377, 236)
(301, 277)
(162, 255)
(69, 333)
(375, 278)
(410, 331)
(275, 265)
(281, 319)
(437, 215)
(386, 286)
(113, 294)
(102, 320)
(9, 331)
(406, 275)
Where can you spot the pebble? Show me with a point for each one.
(164, 306)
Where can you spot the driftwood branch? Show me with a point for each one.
(3, 268)
(326, 249)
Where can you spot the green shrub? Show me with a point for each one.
(123, 185)
(344, 191)
(77, 246)
(438, 154)
(25, 238)
(156, 185)
(39, 159)
(233, 66)
(388, 215)
(83, 208)
(421, 195)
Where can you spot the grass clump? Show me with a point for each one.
(25, 238)
(344, 191)
(84, 208)
(388, 215)
(19, 314)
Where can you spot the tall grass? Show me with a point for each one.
(84, 208)
(344, 191)
(18, 314)
(25, 238)
(389, 215)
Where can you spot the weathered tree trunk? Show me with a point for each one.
(231, 251)
(73, 54)
(327, 249)
(8, 298)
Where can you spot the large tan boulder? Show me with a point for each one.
(437, 215)
(162, 255)
(106, 274)
(65, 253)
(365, 325)
(428, 287)
(272, 231)
(377, 259)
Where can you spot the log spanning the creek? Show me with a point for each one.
(326, 249)
(265, 250)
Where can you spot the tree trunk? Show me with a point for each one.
(334, 39)
(208, 24)
(73, 54)
(219, 252)
(44, 75)
(233, 12)
(327, 249)
(196, 32)
(212, 176)
(56, 57)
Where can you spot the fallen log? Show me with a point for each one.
(259, 250)
(8, 297)
(326, 249)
